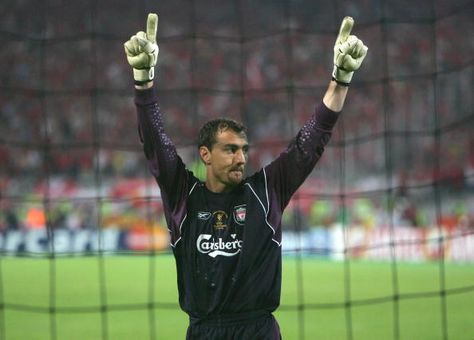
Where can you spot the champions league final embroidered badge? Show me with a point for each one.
(220, 220)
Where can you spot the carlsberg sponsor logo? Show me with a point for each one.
(206, 244)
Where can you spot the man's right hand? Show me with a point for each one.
(142, 52)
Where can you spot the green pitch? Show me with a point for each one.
(124, 281)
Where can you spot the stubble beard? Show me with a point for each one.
(236, 176)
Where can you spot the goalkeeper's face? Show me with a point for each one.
(226, 160)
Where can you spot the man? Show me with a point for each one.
(226, 231)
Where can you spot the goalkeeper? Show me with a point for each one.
(226, 231)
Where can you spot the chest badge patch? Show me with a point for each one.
(220, 220)
(239, 214)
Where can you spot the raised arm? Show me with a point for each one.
(142, 54)
(292, 167)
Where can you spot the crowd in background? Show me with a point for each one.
(69, 140)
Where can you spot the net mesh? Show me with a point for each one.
(395, 182)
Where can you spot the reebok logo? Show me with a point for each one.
(206, 244)
(203, 215)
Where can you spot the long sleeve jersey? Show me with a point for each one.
(227, 246)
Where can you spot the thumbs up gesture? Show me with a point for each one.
(349, 52)
(142, 51)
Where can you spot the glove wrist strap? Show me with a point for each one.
(141, 82)
(340, 82)
(341, 76)
(143, 75)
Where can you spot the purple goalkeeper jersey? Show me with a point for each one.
(227, 246)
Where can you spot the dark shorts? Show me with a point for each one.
(259, 326)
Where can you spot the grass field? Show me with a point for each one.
(26, 282)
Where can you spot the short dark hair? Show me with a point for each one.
(208, 132)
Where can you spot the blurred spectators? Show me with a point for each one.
(67, 113)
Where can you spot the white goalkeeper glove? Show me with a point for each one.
(142, 51)
(349, 52)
